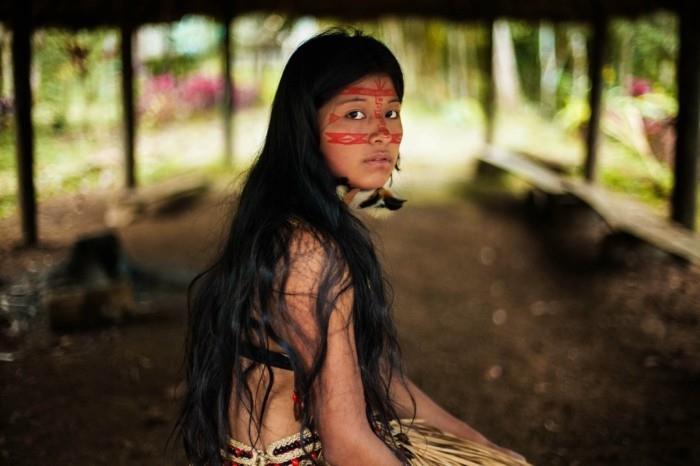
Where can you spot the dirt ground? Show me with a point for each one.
(509, 319)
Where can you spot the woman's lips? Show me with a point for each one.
(378, 162)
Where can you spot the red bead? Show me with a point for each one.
(295, 397)
(238, 452)
(314, 455)
(295, 462)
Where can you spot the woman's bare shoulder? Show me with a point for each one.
(307, 243)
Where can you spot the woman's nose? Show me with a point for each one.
(380, 135)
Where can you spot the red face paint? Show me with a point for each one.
(361, 132)
(378, 92)
(332, 118)
(396, 138)
(347, 138)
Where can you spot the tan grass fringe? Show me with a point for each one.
(432, 447)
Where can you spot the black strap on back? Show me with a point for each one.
(267, 357)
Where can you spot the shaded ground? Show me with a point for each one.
(510, 322)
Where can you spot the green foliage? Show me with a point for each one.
(650, 44)
(574, 114)
(177, 65)
(525, 43)
(622, 170)
(77, 77)
(77, 96)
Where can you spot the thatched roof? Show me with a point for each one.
(90, 13)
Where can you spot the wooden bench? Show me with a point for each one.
(621, 214)
(542, 178)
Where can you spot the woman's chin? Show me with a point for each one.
(366, 184)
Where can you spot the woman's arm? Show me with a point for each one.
(338, 395)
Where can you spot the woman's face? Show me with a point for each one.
(360, 131)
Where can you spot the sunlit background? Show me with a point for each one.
(556, 326)
(542, 83)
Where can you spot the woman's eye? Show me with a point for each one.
(355, 115)
(393, 114)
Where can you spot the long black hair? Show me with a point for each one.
(236, 299)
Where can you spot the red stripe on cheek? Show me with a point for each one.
(347, 138)
(360, 138)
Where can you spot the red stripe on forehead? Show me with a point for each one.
(369, 91)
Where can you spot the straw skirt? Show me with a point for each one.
(421, 443)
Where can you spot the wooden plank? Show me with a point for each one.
(621, 213)
(531, 172)
(600, 38)
(557, 165)
(684, 195)
(598, 199)
(21, 69)
(626, 215)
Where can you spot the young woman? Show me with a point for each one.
(292, 354)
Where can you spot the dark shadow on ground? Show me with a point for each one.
(507, 317)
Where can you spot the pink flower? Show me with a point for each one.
(639, 86)
(202, 91)
(162, 83)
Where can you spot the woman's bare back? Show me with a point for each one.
(278, 420)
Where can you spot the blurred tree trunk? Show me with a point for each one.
(548, 68)
(413, 35)
(452, 66)
(579, 59)
(625, 57)
(474, 39)
(505, 67)
(466, 51)
(456, 60)
(2, 61)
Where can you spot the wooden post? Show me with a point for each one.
(3, 34)
(128, 115)
(684, 196)
(595, 99)
(227, 103)
(21, 67)
(490, 86)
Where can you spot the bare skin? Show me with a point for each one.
(360, 132)
(344, 431)
(338, 396)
